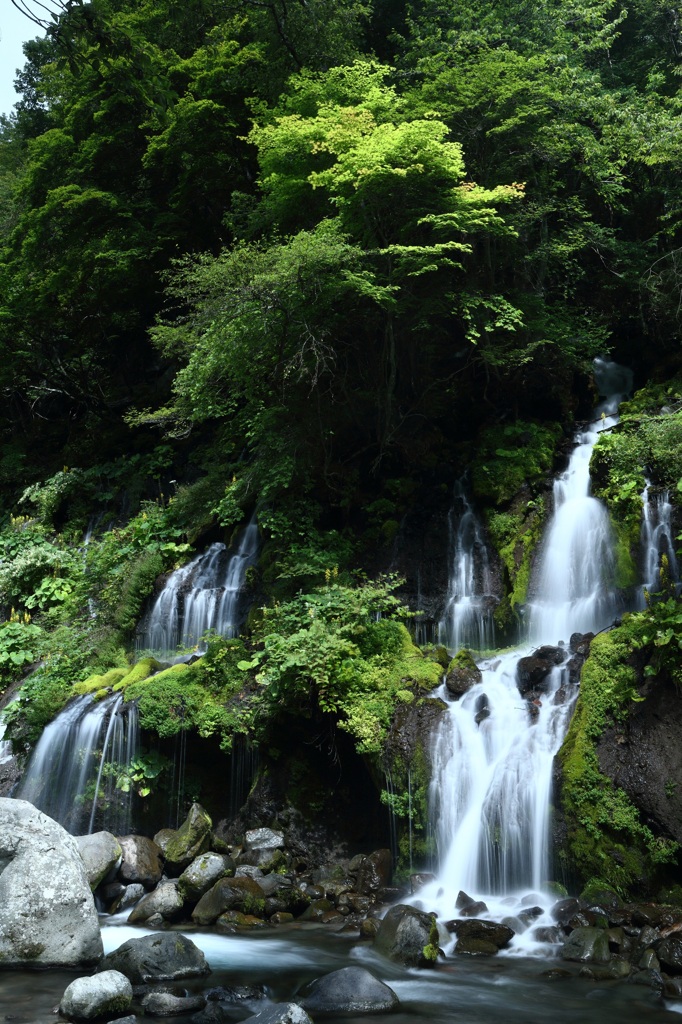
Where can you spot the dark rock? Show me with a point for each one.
(481, 708)
(669, 952)
(579, 643)
(348, 992)
(498, 934)
(651, 979)
(473, 909)
(552, 933)
(284, 1013)
(463, 673)
(475, 947)
(166, 957)
(141, 862)
(316, 910)
(241, 894)
(530, 914)
(420, 879)
(403, 934)
(130, 895)
(375, 872)
(463, 900)
(649, 961)
(587, 945)
(532, 672)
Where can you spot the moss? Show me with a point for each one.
(136, 589)
(463, 660)
(511, 456)
(431, 950)
(96, 683)
(142, 670)
(606, 837)
(516, 534)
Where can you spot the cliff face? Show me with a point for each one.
(644, 758)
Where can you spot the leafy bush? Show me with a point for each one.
(509, 456)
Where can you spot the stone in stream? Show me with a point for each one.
(403, 935)
(462, 674)
(352, 990)
(669, 952)
(284, 1013)
(142, 861)
(166, 1004)
(498, 935)
(241, 894)
(587, 945)
(103, 995)
(204, 871)
(164, 900)
(47, 912)
(102, 854)
(166, 957)
(533, 671)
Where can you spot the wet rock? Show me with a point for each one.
(163, 838)
(530, 914)
(47, 911)
(474, 909)
(130, 895)
(242, 894)
(141, 861)
(104, 995)
(463, 900)
(553, 934)
(375, 872)
(463, 673)
(419, 880)
(481, 708)
(352, 990)
(579, 643)
(263, 839)
(587, 945)
(284, 1013)
(649, 961)
(669, 952)
(316, 910)
(475, 947)
(202, 874)
(403, 934)
(166, 957)
(166, 1004)
(232, 921)
(556, 974)
(164, 900)
(650, 979)
(533, 671)
(497, 934)
(101, 853)
(190, 841)
(619, 942)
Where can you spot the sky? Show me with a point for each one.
(15, 28)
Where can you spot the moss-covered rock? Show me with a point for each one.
(100, 683)
(144, 668)
(463, 673)
(191, 839)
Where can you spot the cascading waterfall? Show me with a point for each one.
(467, 620)
(492, 760)
(656, 541)
(6, 752)
(73, 770)
(202, 595)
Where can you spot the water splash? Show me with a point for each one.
(656, 541)
(467, 620)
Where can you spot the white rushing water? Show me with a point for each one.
(493, 755)
(66, 776)
(656, 541)
(467, 620)
(202, 595)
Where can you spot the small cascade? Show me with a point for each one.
(6, 752)
(72, 773)
(467, 620)
(202, 595)
(493, 755)
(656, 541)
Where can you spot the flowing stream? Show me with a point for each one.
(493, 754)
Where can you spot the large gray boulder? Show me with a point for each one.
(47, 912)
(241, 894)
(350, 991)
(169, 956)
(101, 853)
(103, 995)
(204, 871)
(164, 900)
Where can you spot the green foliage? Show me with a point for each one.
(21, 644)
(142, 773)
(600, 818)
(509, 456)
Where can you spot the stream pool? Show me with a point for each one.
(461, 991)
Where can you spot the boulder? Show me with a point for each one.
(242, 894)
(587, 945)
(350, 991)
(191, 839)
(103, 995)
(462, 674)
(497, 934)
(165, 957)
(165, 1004)
(202, 874)
(263, 839)
(563, 910)
(164, 900)
(131, 895)
(533, 671)
(403, 935)
(375, 872)
(142, 861)
(47, 912)
(101, 853)
(285, 1013)
(669, 953)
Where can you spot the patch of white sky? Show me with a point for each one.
(15, 29)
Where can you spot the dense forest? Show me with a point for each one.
(316, 260)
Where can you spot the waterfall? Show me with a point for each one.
(656, 541)
(467, 620)
(492, 759)
(67, 774)
(6, 752)
(204, 594)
